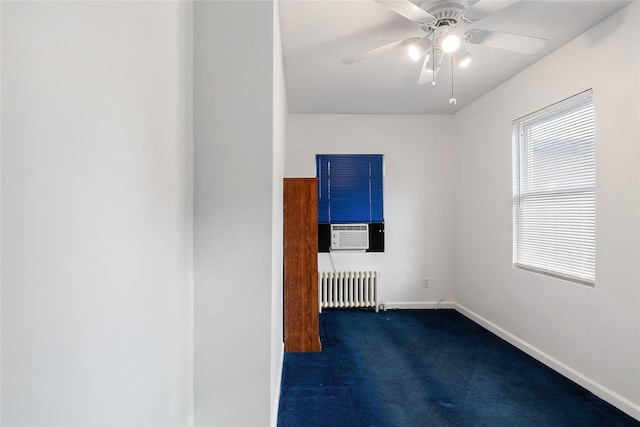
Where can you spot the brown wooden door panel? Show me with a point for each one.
(301, 326)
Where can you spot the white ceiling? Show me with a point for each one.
(318, 34)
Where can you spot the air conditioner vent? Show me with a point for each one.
(349, 236)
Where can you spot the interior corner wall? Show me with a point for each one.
(0, 213)
(185, 112)
(233, 209)
(595, 337)
(95, 217)
(418, 196)
(280, 116)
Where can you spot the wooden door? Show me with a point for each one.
(301, 321)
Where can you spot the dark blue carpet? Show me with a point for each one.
(428, 368)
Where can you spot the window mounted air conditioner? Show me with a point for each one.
(350, 236)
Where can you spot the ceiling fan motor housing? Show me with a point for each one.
(447, 12)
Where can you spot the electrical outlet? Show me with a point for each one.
(425, 282)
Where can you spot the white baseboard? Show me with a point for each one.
(417, 305)
(275, 404)
(598, 389)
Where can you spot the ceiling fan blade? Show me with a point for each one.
(408, 10)
(484, 8)
(379, 50)
(507, 41)
(427, 73)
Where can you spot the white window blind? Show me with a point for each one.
(554, 209)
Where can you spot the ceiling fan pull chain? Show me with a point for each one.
(433, 68)
(452, 100)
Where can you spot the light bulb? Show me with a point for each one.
(450, 43)
(452, 101)
(419, 47)
(414, 52)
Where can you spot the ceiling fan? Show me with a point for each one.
(447, 24)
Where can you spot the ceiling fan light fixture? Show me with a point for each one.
(417, 49)
(450, 43)
(414, 53)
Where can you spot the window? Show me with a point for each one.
(350, 188)
(554, 190)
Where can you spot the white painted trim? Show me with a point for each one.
(596, 388)
(417, 305)
(276, 402)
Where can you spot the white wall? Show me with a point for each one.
(590, 334)
(280, 115)
(0, 215)
(95, 214)
(234, 212)
(418, 196)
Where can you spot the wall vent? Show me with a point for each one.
(349, 236)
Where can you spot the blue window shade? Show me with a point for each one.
(350, 188)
